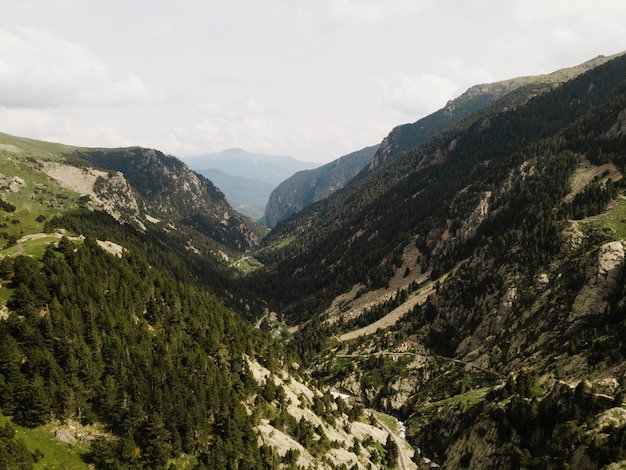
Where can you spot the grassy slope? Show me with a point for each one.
(56, 454)
(39, 195)
(611, 221)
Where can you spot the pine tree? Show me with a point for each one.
(391, 452)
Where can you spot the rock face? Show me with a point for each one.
(610, 266)
(167, 190)
(602, 277)
(478, 216)
(115, 196)
(619, 128)
(309, 186)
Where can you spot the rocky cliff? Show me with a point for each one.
(309, 186)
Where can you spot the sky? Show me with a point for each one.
(313, 79)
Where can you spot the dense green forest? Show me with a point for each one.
(166, 252)
(495, 244)
(94, 337)
(414, 196)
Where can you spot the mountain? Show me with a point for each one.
(473, 284)
(311, 234)
(405, 137)
(273, 169)
(140, 187)
(247, 196)
(308, 186)
(247, 179)
(124, 339)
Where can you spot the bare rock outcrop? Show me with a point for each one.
(618, 129)
(602, 277)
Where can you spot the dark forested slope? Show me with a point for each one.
(100, 338)
(358, 234)
(496, 253)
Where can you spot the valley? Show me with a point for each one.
(468, 281)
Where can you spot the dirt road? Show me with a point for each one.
(393, 316)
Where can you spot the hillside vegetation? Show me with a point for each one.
(494, 253)
(469, 282)
(358, 235)
(120, 346)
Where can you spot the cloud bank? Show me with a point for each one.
(315, 80)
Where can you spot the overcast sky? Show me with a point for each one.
(314, 79)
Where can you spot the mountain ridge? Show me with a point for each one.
(472, 285)
(294, 193)
(271, 169)
(308, 186)
(515, 217)
(341, 211)
(474, 99)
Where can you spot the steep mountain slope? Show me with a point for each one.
(246, 195)
(407, 136)
(308, 186)
(153, 370)
(116, 344)
(358, 234)
(495, 253)
(178, 195)
(144, 188)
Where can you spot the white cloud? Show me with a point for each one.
(570, 22)
(280, 76)
(237, 109)
(369, 12)
(67, 126)
(464, 74)
(39, 70)
(178, 141)
(240, 124)
(564, 36)
(583, 11)
(417, 96)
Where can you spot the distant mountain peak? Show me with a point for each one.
(273, 169)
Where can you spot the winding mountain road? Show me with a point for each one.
(393, 316)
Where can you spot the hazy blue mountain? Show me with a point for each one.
(273, 169)
(246, 195)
